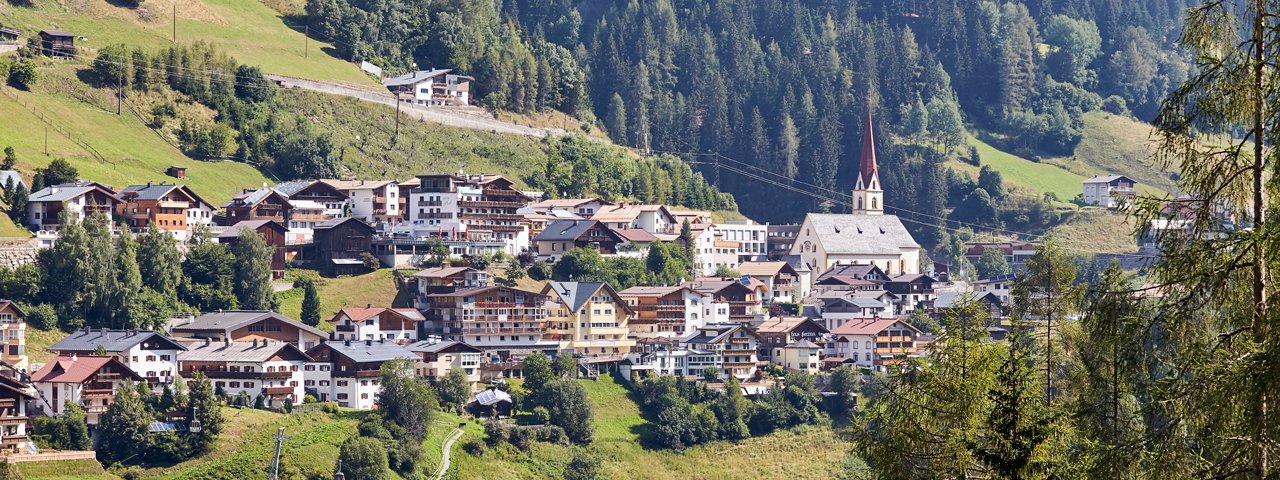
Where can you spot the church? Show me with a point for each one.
(864, 237)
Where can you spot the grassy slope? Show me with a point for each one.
(133, 153)
(812, 452)
(1096, 230)
(363, 134)
(65, 470)
(246, 29)
(377, 288)
(38, 342)
(9, 230)
(1028, 176)
(1116, 145)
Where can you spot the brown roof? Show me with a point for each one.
(77, 369)
(635, 235)
(761, 268)
(867, 326)
(441, 272)
(782, 324)
(626, 213)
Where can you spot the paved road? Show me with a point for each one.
(446, 450)
(426, 114)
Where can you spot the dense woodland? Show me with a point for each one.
(783, 87)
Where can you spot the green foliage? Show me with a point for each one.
(725, 272)
(453, 389)
(406, 400)
(21, 284)
(58, 172)
(991, 263)
(205, 405)
(123, 429)
(844, 386)
(159, 262)
(23, 75)
(10, 159)
(583, 466)
(565, 366)
(362, 457)
(64, 432)
(310, 303)
(208, 275)
(566, 401)
(252, 267)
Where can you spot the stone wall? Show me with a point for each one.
(17, 253)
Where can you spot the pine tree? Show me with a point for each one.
(253, 271)
(310, 303)
(124, 428)
(159, 261)
(616, 119)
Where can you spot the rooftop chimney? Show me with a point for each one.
(227, 341)
(208, 341)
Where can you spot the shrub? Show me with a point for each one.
(329, 407)
(495, 432)
(523, 437)
(473, 447)
(309, 398)
(1115, 104)
(23, 75)
(552, 434)
(539, 416)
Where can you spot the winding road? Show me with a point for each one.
(446, 449)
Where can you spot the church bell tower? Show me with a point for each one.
(868, 198)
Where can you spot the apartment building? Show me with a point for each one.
(588, 318)
(471, 207)
(170, 208)
(495, 318)
(89, 381)
(663, 311)
(272, 369)
(13, 338)
(152, 356)
(349, 372)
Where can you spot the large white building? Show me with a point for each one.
(468, 207)
(439, 87)
(867, 236)
(151, 355)
(371, 201)
(1109, 191)
(349, 372)
(269, 368)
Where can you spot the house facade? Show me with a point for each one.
(663, 311)
(170, 208)
(151, 355)
(469, 207)
(497, 319)
(14, 396)
(782, 282)
(258, 204)
(561, 236)
(89, 381)
(45, 206)
(349, 372)
(398, 325)
(271, 231)
(1109, 191)
(440, 87)
(373, 202)
(875, 343)
(271, 369)
(248, 325)
(13, 338)
(339, 243)
(734, 344)
(439, 357)
(444, 280)
(588, 318)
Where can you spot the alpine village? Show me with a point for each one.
(621, 239)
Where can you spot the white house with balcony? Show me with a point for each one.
(1110, 191)
(439, 87)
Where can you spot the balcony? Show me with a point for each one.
(278, 390)
(506, 305)
(501, 330)
(739, 364)
(490, 204)
(95, 409)
(430, 203)
(345, 328)
(97, 393)
(669, 308)
(740, 340)
(436, 215)
(356, 373)
(108, 376)
(282, 375)
(13, 420)
(508, 217)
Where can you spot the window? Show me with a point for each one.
(235, 384)
(248, 384)
(342, 396)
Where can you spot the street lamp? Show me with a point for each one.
(338, 475)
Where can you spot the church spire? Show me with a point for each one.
(868, 198)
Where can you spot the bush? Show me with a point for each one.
(539, 416)
(370, 261)
(495, 432)
(23, 75)
(308, 398)
(473, 447)
(552, 434)
(523, 438)
(43, 316)
(1115, 104)
(329, 407)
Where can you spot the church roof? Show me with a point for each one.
(867, 168)
(860, 234)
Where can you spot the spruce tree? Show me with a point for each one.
(253, 272)
(310, 303)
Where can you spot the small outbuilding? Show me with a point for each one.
(58, 44)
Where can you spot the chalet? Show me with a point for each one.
(272, 369)
(8, 36)
(151, 355)
(498, 319)
(1000, 285)
(14, 396)
(439, 87)
(561, 236)
(588, 318)
(398, 325)
(834, 310)
(779, 239)
(349, 372)
(847, 278)
(79, 199)
(1110, 191)
(339, 244)
(171, 208)
(538, 221)
(655, 219)
(947, 303)
(635, 242)
(445, 280)
(663, 311)
(371, 201)
(13, 338)
(801, 356)
(913, 290)
(581, 207)
(1015, 253)
(475, 208)
(439, 357)
(176, 171)
(777, 332)
(875, 343)
(261, 204)
(727, 300)
(58, 44)
(334, 201)
(89, 381)
(247, 325)
(271, 231)
(782, 281)
(734, 344)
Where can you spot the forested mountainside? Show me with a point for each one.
(783, 85)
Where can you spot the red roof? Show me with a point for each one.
(864, 326)
(360, 313)
(75, 369)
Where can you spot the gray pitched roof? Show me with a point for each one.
(292, 187)
(238, 351)
(369, 351)
(68, 191)
(234, 230)
(333, 222)
(567, 230)
(5, 175)
(802, 344)
(414, 77)
(432, 346)
(229, 320)
(864, 234)
(575, 294)
(112, 341)
(150, 192)
(956, 299)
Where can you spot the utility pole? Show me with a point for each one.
(175, 21)
(397, 135)
(119, 89)
(275, 463)
(46, 140)
(306, 42)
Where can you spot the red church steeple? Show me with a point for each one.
(867, 196)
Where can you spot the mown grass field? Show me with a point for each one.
(66, 470)
(1025, 175)
(377, 288)
(8, 229)
(1117, 145)
(248, 30)
(1096, 230)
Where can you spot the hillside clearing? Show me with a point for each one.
(248, 30)
(1025, 175)
(1096, 230)
(8, 229)
(1117, 145)
(64, 470)
(376, 288)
